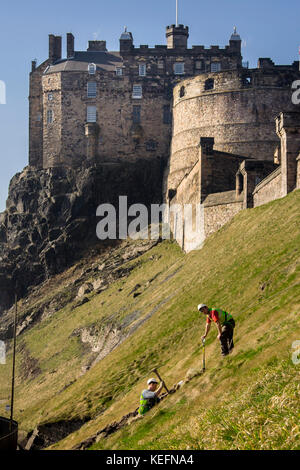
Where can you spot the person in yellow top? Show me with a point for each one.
(150, 396)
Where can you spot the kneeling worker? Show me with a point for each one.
(149, 397)
(224, 323)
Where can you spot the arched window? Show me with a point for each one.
(92, 69)
(209, 84)
(182, 92)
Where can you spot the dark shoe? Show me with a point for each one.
(225, 354)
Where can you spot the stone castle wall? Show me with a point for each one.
(118, 135)
(238, 112)
(219, 208)
(188, 192)
(52, 132)
(36, 119)
(269, 189)
(64, 140)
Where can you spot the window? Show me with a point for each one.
(160, 64)
(151, 145)
(49, 116)
(167, 115)
(136, 115)
(179, 68)
(92, 69)
(91, 114)
(137, 92)
(182, 92)
(50, 96)
(91, 89)
(119, 71)
(38, 117)
(142, 70)
(257, 180)
(199, 64)
(246, 80)
(209, 84)
(215, 67)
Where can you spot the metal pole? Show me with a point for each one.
(14, 363)
(176, 12)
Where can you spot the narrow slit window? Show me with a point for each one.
(49, 116)
(119, 71)
(136, 115)
(142, 70)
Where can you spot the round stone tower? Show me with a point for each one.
(238, 108)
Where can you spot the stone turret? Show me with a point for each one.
(235, 41)
(126, 41)
(177, 36)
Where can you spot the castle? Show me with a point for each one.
(203, 112)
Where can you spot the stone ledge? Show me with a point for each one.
(219, 199)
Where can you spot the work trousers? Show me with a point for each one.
(226, 339)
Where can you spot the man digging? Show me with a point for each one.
(149, 397)
(224, 323)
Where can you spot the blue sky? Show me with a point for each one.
(268, 28)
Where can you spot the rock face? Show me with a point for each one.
(50, 218)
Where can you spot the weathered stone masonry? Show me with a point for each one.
(238, 110)
(125, 127)
(199, 110)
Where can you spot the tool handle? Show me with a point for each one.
(156, 372)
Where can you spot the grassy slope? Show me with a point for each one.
(249, 400)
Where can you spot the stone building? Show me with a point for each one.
(98, 105)
(204, 114)
(223, 184)
(237, 108)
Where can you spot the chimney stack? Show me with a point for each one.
(70, 45)
(99, 46)
(54, 48)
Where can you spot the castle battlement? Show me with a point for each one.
(127, 93)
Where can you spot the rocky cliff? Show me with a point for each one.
(50, 217)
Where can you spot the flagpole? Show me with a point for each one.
(176, 12)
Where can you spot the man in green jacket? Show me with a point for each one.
(224, 323)
(149, 397)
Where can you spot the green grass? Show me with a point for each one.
(246, 401)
